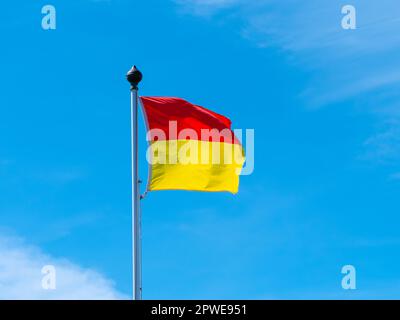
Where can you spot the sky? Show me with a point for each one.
(323, 102)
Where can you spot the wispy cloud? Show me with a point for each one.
(359, 65)
(21, 277)
(384, 147)
(310, 33)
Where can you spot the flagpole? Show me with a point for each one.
(134, 76)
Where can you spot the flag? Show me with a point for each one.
(190, 147)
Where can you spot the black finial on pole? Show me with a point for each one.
(134, 76)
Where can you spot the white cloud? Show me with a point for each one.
(21, 277)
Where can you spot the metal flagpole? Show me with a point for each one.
(134, 76)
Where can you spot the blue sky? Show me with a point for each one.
(324, 105)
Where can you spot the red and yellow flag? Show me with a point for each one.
(191, 148)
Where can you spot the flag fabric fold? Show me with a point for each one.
(190, 147)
